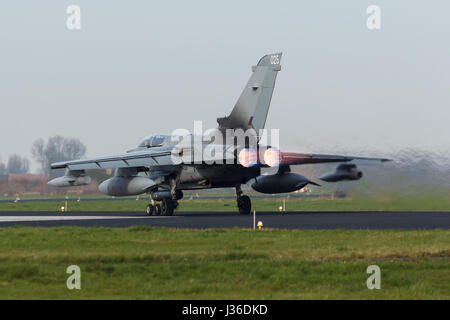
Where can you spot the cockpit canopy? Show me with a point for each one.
(156, 140)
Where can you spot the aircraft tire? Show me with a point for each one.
(149, 210)
(167, 207)
(157, 211)
(245, 205)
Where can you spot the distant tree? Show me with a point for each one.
(17, 164)
(56, 149)
(2, 167)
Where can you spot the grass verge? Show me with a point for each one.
(160, 263)
(428, 203)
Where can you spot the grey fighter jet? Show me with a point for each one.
(165, 165)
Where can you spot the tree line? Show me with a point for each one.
(15, 164)
(55, 149)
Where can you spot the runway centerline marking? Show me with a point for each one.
(62, 218)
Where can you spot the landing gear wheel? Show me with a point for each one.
(157, 210)
(150, 209)
(244, 205)
(167, 207)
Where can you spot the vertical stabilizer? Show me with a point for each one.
(252, 106)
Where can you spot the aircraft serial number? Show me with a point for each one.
(275, 59)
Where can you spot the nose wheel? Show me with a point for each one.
(166, 208)
(153, 210)
(244, 203)
(149, 209)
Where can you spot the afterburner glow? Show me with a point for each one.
(247, 157)
(272, 157)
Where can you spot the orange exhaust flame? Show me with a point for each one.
(272, 157)
(247, 157)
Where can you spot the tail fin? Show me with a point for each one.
(252, 106)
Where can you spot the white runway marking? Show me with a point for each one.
(61, 218)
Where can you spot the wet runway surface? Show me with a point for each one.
(200, 220)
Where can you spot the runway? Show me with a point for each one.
(201, 220)
(188, 196)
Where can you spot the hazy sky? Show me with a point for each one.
(141, 67)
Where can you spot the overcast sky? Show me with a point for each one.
(141, 67)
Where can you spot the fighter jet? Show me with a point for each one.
(162, 166)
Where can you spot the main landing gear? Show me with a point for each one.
(169, 200)
(243, 202)
(166, 207)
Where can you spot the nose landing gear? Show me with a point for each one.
(166, 207)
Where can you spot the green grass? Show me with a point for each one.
(428, 202)
(160, 263)
(59, 196)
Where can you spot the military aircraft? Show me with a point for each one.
(163, 167)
